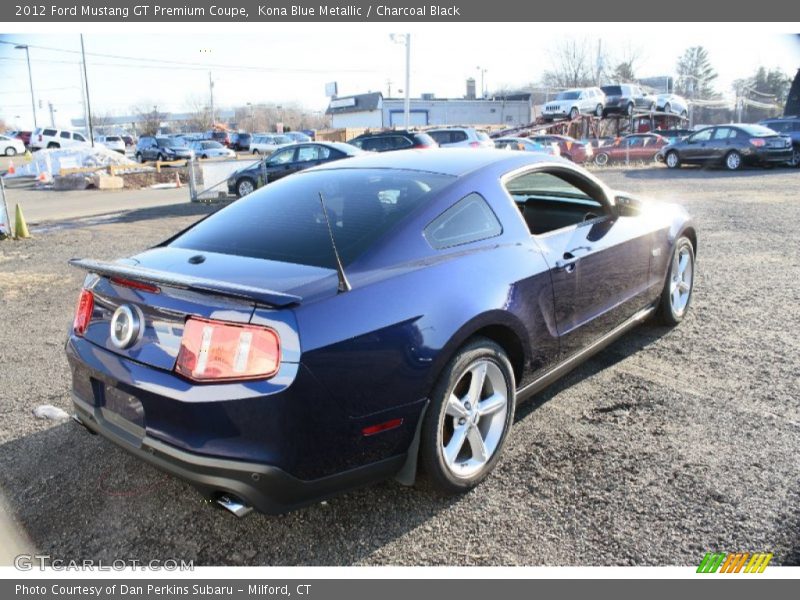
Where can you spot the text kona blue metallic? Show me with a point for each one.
(360, 319)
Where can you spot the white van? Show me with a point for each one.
(45, 137)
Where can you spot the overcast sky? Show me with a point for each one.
(285, 63)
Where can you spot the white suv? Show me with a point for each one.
(461, 137)
(45, 137)
(571, 103)
(112, 142)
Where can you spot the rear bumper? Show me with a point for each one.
(770, 156)
(264, 487)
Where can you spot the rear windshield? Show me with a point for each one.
(757, 130)
(284, 221)
(612, 90)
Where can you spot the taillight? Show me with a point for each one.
(83, 312)
(474, 144)
(423, 145)
(221, 351)
(757, 142)
(137, 285)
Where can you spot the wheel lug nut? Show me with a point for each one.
(461, 421)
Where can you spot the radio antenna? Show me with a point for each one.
(344, 285)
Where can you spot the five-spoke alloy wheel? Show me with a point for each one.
(678, 288)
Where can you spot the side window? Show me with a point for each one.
(722, 133)
(458, 136)
(701, 136)
(282, 157)
(79, 137)
(468, 220)
(49, 132)
(398, 142)
(309, 153)
(441, 137)
(64, 134)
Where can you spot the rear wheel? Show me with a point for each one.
(733, 161)
(245, 186)
(601, 159)
(672, 160)
(256, 152)
(11, 151)
(795, 160)
(467, 423)
(677, 293)
(53, 145)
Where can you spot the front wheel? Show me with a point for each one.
(677, 292)
(256, 152)
(245, 186)
(733, 160)
(672, 160)
(598, 110)
(601, 160)
(11, 151)
(470, 415)
(795, 160)
(573, 114)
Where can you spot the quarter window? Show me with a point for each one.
(468, 220)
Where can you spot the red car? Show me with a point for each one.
(635, 147)
(576, 151)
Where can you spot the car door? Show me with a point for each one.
(309, 156)
(697, 146)
(599, 261)
(720, 143)
(280, 164)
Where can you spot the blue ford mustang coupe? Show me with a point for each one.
(367, 319)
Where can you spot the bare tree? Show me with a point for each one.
(200, 119)
(149, 119)
(573, 64)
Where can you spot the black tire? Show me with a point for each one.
(672, 160)
(629, 109)
(53, 145)
(256, 153)
(11, 151)
(667, 108)
(795, 160)
(573, 113)
(139, 157)
(733, 161)
(204, 156)
(601, 160)
(598, 110)
(160, 158)
(242, 185)
(435, 427)
(666, 313)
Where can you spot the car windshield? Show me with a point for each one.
(212, 145)
(757, 130)
(568, 95)
(112, 138)
(284, 221)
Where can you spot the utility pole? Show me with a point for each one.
(407, 104)
(388, 88)
(211, 96)
(30, 79)
(52, 115)
(88, 102)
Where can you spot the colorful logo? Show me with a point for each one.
(740, 562)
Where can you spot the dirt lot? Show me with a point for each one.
(668, 444)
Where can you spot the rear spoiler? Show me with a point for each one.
(186, 282)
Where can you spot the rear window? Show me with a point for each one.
(612, 90)
(757, 130)
(284, 221)
(50, 132)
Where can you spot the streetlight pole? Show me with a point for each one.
(30, 79)
(406, 39)
(88, 103)
(483, 86)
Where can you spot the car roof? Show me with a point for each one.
(446, 161)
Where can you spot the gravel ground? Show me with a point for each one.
(669, 444)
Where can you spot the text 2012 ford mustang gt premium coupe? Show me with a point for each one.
(360, 319)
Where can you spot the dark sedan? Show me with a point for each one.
(731, 146)
(356, 320)
(286, 161)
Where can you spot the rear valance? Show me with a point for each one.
(186, 282)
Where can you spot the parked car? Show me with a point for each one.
(285, 161)
(386, 141)
(731, 146)
(575, 150)
(568, 104)
(162, 149)
(460, 137)
(47, 137)
(331, 329)
(112, 142)
(297, 136)
(211, 149)
(129, 140)
(672, 103)
(527, 145)
(634, 147)
(223, 137)
(268, 143)
(626, 99)
(787, 126)
(11, 146)
(241, 141)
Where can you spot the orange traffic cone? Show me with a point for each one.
(177, 180)
(11, 169)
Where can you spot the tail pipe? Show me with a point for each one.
(234, 505)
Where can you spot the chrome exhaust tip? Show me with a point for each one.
(234, 505)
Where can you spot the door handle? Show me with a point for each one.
(570, 257)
